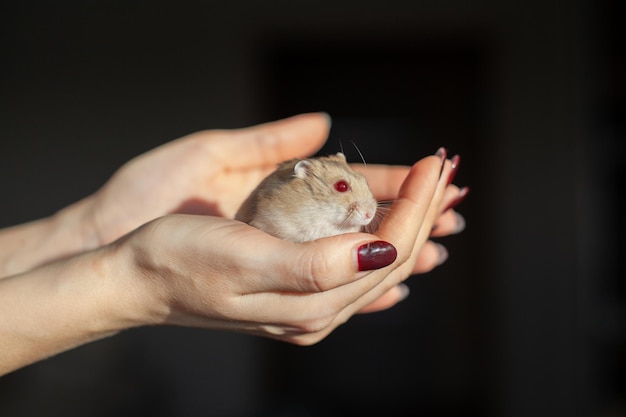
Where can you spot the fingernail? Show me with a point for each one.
(329, 119)
(459, 224)
(375, 255)
(404, 291)
(456, 160)
(463, 192)
(442, 154)
(442, 253)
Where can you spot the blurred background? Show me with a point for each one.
(526, 318)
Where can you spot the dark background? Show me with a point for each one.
(527, 316)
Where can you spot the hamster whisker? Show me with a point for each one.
(385, 204)
(373, 226)
(359, 151)
(345, 221)
(384, 207)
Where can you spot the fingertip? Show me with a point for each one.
(389, 299)
(333, 261)
(403, 291)
(458, 199)
(448, 223)
(305, 133)
(429, 257)
(459, 223)
(327, 119)
(416, 194)
(314, 117)
(426, 170)
(442, 254)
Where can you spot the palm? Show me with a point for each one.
(209, 172)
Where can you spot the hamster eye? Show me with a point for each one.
(342, 186)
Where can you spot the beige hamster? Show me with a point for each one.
(309, 199)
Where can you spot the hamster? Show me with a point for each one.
(309, 199)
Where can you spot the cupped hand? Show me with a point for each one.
(209, 172)
(218, 273)
(386, 182)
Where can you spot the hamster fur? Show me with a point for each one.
(309, 199)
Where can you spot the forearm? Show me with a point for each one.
(29, 245)
(65, 304)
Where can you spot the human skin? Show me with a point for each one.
(156, 245)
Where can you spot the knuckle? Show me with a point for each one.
(403, 256)
(318, 320)
(318, 272)
(315, 325)
(266, 144)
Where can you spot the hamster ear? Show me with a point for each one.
(302, 168)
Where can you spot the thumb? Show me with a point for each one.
(274, 142)
(327, 263)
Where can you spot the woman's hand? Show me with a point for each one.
(209, 172)
(217, 273)
(385, 182)
(209, 271)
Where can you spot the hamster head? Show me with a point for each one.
(332, 197)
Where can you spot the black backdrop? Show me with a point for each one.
(524, 318)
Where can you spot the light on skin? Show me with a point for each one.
(136, 252)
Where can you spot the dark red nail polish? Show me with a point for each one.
(456, 160)
(376, 255)
(463, 192)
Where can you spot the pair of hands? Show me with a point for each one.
(210, 271)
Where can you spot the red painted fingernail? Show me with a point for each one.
(463, 192)
(376, 255)
(456, 160)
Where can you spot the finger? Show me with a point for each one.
(318, 313)
(315, 315)
(407, 227)
(314, 266)
(404, 226)
(452, 191)
(273, 142)
(453, 197)
(384, 180)
(448, 223)
(387, 300)
(401, 226)
(430, 256)
(404, 221)
(458, 199)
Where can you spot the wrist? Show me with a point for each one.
(74, 227)
(135, 281)
(26, 246)
(65, 304)
(66, 233)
